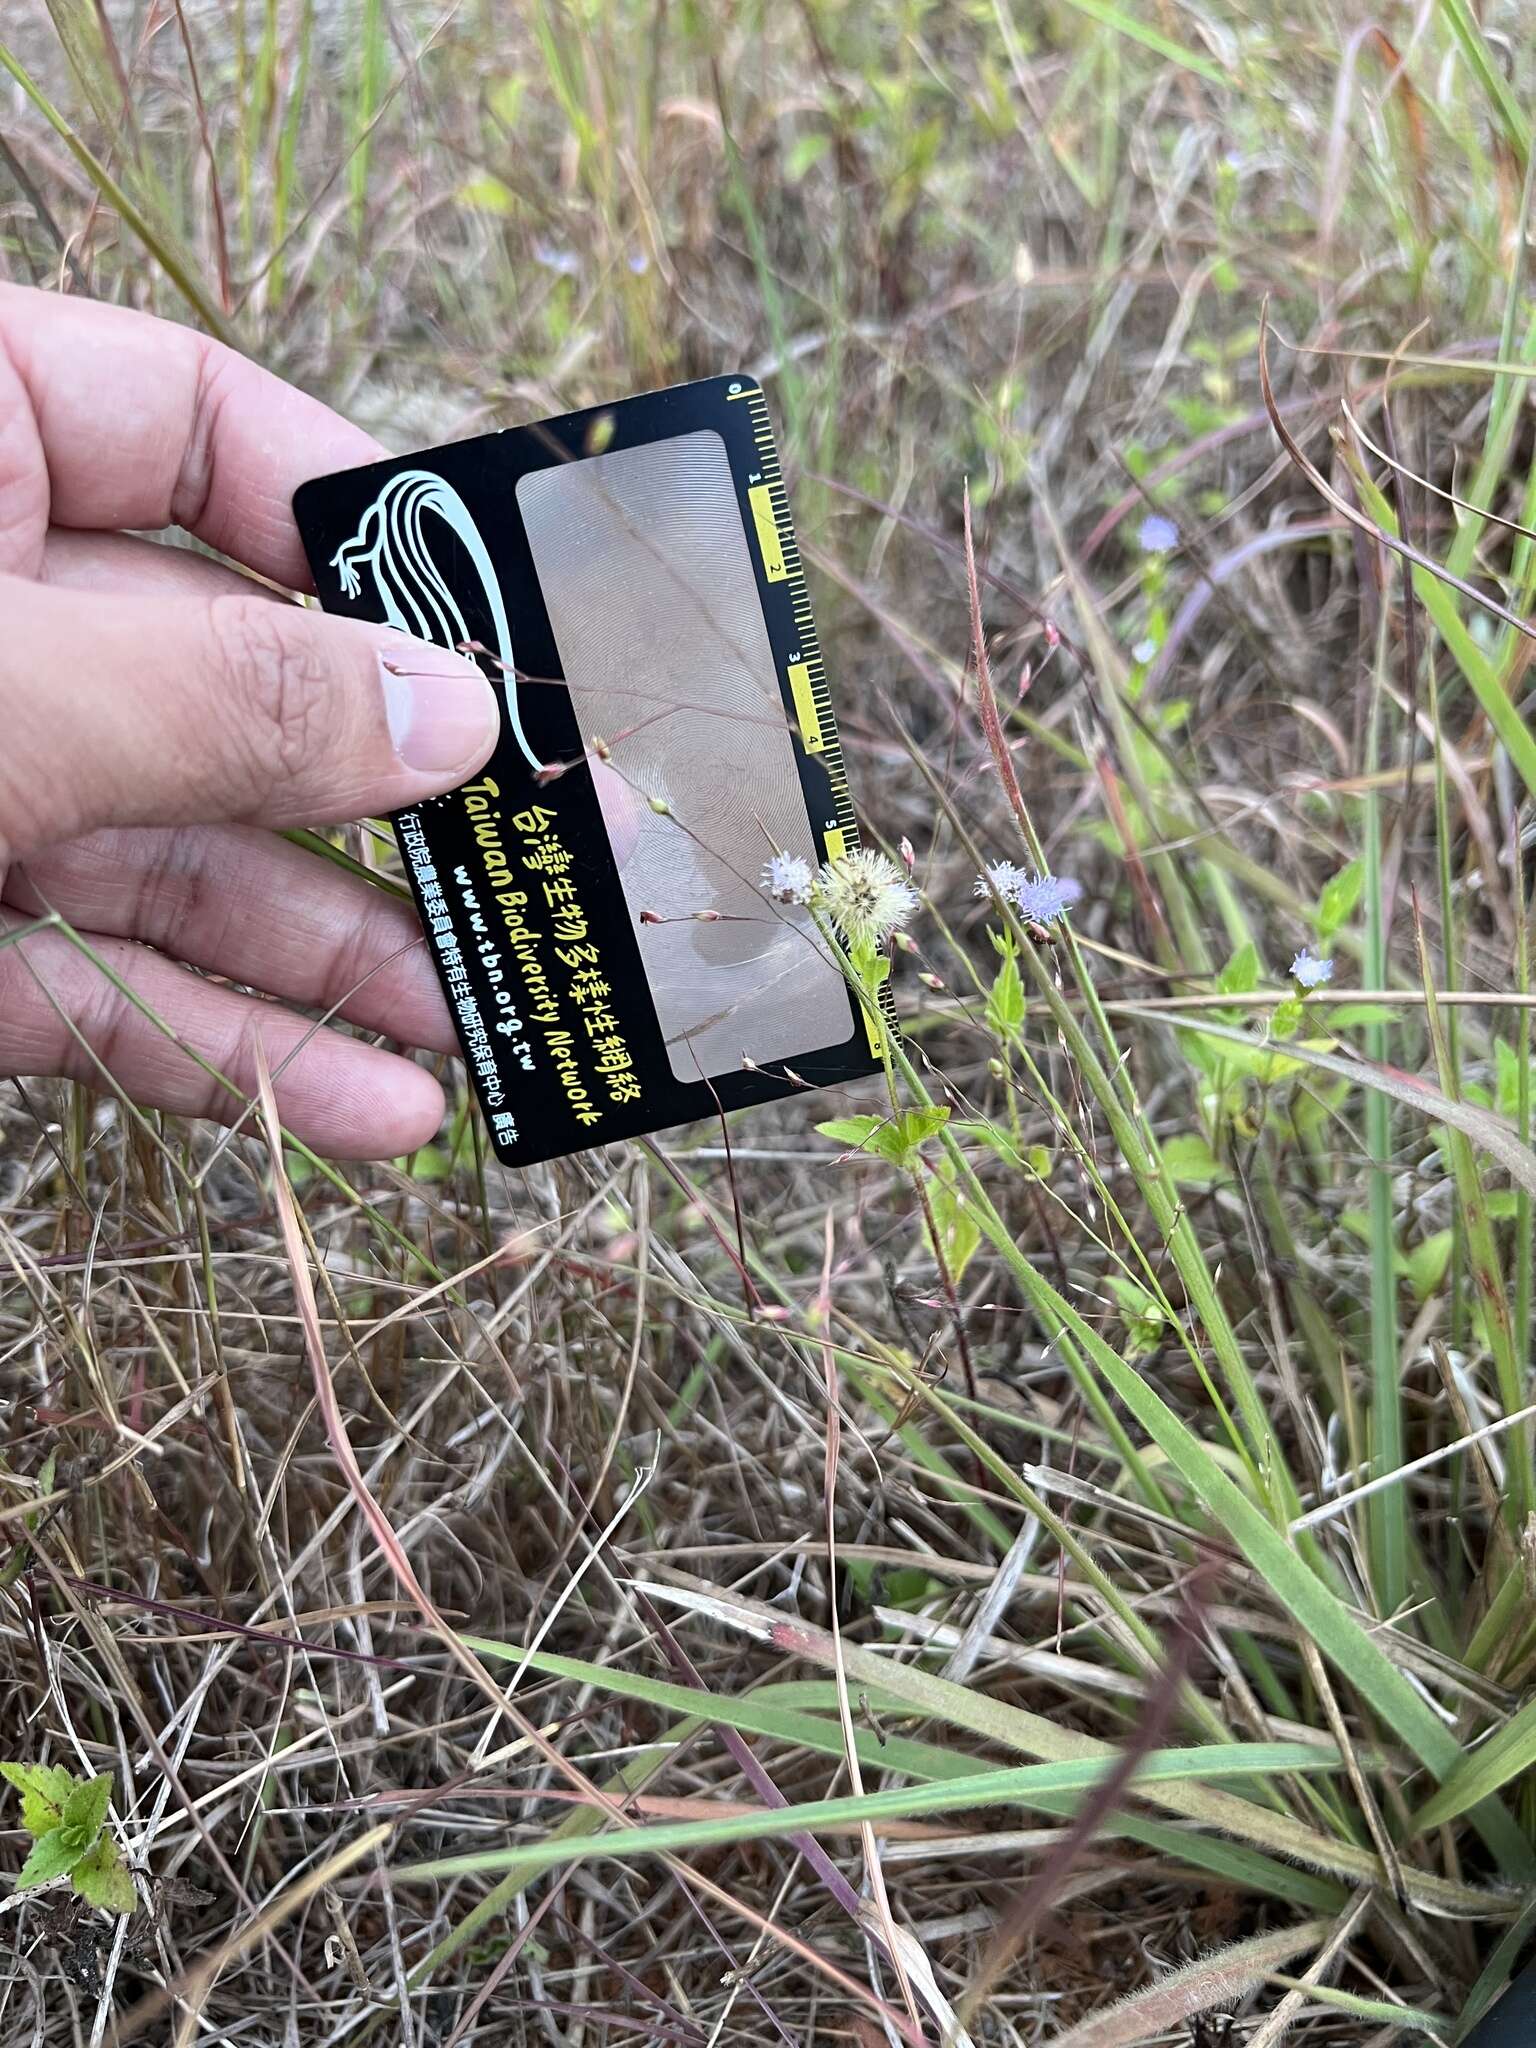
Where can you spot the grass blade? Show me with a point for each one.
(176, 265)
(1010, 1785)
(1220, 1979)
(1124, 24)
(1507, 1754)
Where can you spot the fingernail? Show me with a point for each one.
(442, 712)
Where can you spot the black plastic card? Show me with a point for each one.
(594, 899)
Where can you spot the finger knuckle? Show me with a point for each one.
(276, 687)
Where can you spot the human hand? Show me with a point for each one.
(157, 710)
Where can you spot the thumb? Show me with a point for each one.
(133, 711)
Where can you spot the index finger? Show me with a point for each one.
(141, 423)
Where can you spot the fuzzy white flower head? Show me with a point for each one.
(865, 895)
(1003, 878)
(788, 879)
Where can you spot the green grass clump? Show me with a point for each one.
(752, 1555)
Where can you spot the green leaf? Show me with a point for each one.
(1005, 1005)
(1485, 67)
(959, 1232)
(804, 153)
(1436, 2025)
(1240, 976)
(1349, 1647)
(1345, 1016)
(995, 1138)
(86, 1807)
(914, 1127)
(1492, 1133)
(1145, 1320)
(851, 1130)
(506, 100)
(1427, 1262)
(894, 1138)
(44, 1788)
(1336, 905)
(431, 1163)
(1191, 1163)
(1244, 1054)
(1507, 1066)
(102, 1878)
(52, 1854)
(487, 195)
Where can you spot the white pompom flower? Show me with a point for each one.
(1004, 878)
(788, 879)
(865, 895)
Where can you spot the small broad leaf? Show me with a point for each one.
(850, 1130)
(909, 1586)
(1337, 903)
(1240, 976)
(1005, 1005)
(487, 195)
(915, 1126)
(1246, 1055)
(805, 152)
(44, 1788)
(994, 1137)
(52, 1854)
(1427, 1262)
(506, 98)
(1507, 1065)
(1191, 1163)
(1145, 1321)
(959, 1232)
(86, 1808)
(1033, 1160)
(102, 1878)
(894, 1138)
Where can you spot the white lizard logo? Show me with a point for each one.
(416, 597)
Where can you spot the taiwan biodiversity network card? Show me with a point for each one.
(629, 578)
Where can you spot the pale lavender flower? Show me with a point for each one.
(1039, 899)
(1157, 535)
(563, 262)
(1047, 897)
(1308, 971)
(788, 878)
